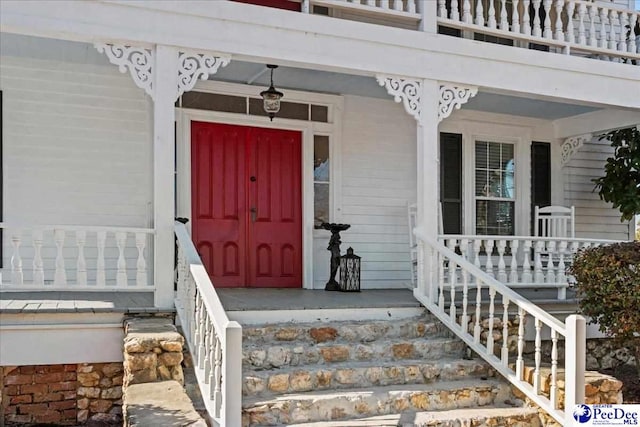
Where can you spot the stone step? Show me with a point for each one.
(372, 401)
(365, 331)
(260, 356)
(159, 404)
(361, 374)
(498, 415)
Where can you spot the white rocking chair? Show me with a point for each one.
(554, 221)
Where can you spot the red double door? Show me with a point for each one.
(247, 204)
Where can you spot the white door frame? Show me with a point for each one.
(185, 116)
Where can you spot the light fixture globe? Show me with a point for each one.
(271, 97)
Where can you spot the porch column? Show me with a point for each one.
(428, 158)
(164, 95)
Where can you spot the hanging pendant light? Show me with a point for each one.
(271, 97)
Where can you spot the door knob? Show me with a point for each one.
(254, 214)
(252, 179)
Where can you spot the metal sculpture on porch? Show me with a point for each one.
(334, 248)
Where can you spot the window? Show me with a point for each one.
(494, 188)
(321, 179)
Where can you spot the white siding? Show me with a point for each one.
(378, 180)
(77, 147)
(594, 218)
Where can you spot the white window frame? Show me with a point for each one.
(332, 129)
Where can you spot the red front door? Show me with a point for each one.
(247, 204)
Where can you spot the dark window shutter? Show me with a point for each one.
(451, 182)
(540, 176)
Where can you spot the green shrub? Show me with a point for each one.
(608, 284)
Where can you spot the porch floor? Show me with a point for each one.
(306, 299)
(77, 302)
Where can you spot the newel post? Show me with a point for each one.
(164, 95)
(575, 364)
(231, 376)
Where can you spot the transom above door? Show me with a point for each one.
(247, 204)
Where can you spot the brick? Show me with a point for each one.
(69, 376)
(48, 417)
(71, 394)
(49, 378)
(47, 397)
(25, 398)
(70, 415)
(63, 404)
(34, 388)
(14, 418)
(10, 410)
(34, 408)
(11, 390)
(27, 370)
(70, 368)
(56, 368)
(63, 386)
(18, 379)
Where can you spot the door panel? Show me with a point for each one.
(247, 204)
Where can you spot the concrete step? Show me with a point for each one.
(495, 415)
(365, 331)
(159, 404)
(264, 356)
(372, 401)
(346, 375)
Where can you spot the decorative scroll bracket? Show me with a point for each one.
(138, 60)
(404, 90)
(572, 145)
(194, 66)
(453, 96)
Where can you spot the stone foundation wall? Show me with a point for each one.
(68, 394)
(602, 353)
(152, 351)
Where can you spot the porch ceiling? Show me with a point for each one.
(348, 84)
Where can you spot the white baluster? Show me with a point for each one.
(455, 13)
(477, 244)
(479, 14)
(538, 275)
(613, 18)
(553, 394)
(492, 296)
(201, 330)
(593, 10)
(208, 347)
(632, 40)
(467, 18)
(101, 238)
(571, 38)
(441, 281)
(502, 267)
(513, 274)
(442, 9)
(217, 373)
(491, 21)
(411, 6)
(397, 5)
(477, 330)
(559, 33)
(371, 3)
(547, 19)
(624, 22)
(60, 277)
(562, 277)
(141, 264)
(17, 276)
(81, 265)
(537, 30)
(526, 20)
(582, 9)
(488, 267)
(38, 264)
(537, 383)
(121, 274)
(520, 359)
(603, 28)
(551, 251)
(504, 16)
(505, 331)
(526, 266)
(464, 320)
(515, 17)
(384, 4)
(452, 287)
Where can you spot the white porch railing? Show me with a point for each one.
(215, 342)
(435, 260)
(69, 257)
(520, 262)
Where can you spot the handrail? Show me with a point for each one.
(20, 226)
(438, 264)
(520, 238)
(214, 340)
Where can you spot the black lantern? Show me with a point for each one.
(271, 97)
(350, 272)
